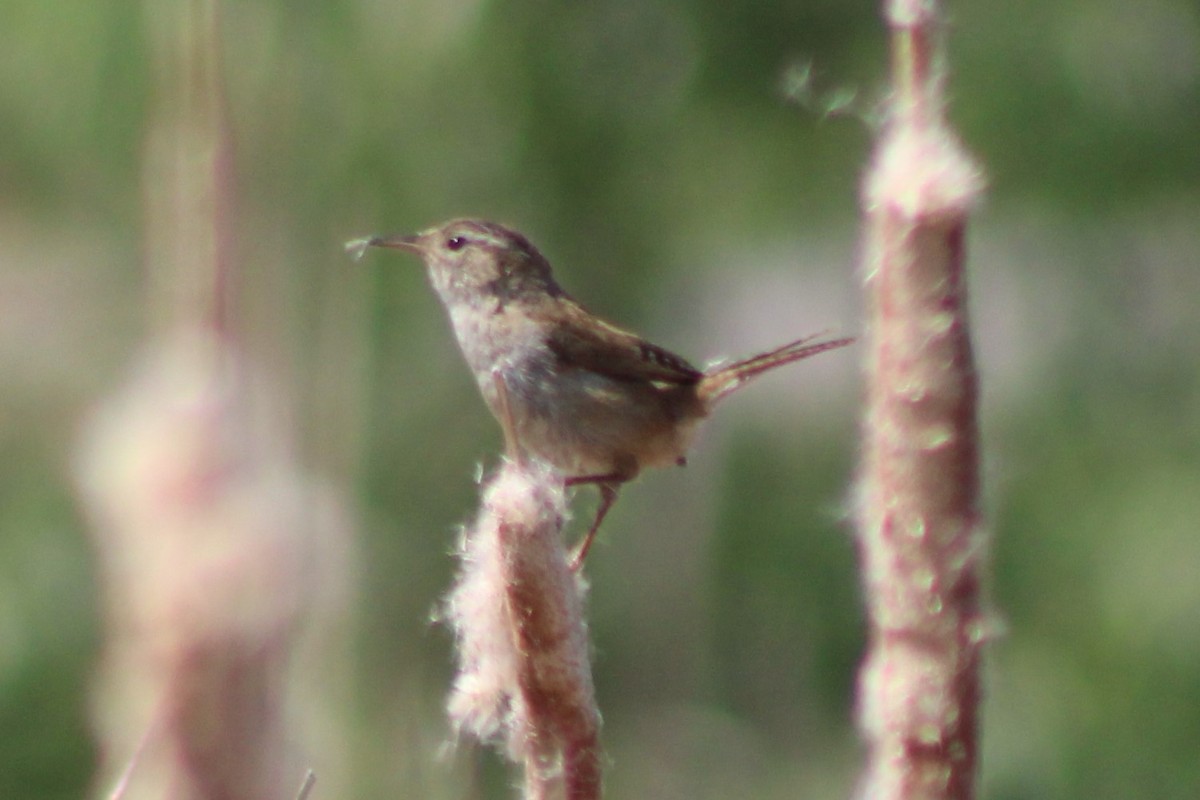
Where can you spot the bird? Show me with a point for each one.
(598, 403)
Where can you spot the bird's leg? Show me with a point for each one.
(608, 495)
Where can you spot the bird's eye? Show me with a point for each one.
(455, 243)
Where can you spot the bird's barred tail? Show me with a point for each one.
(717, 384)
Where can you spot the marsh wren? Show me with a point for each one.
(597, 402)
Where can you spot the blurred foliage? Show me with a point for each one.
(648, 149)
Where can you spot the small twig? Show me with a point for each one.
(122, 782)
(306, 786)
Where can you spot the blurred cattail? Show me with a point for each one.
(524, 675)
(203, 537)
(211, 544)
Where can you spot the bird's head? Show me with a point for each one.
(473, 261)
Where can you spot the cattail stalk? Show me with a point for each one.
(524, 672)
(188, 170)
(919, 527)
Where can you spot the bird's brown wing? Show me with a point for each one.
(589, 343)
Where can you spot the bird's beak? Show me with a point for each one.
(357, 247)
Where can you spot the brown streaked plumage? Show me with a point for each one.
(596, 401)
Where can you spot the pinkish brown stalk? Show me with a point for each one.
(524, 673)
(919, 524)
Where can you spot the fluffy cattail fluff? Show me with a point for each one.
(481, 701)
(524, 677)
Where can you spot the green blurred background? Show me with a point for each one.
(648, 148)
